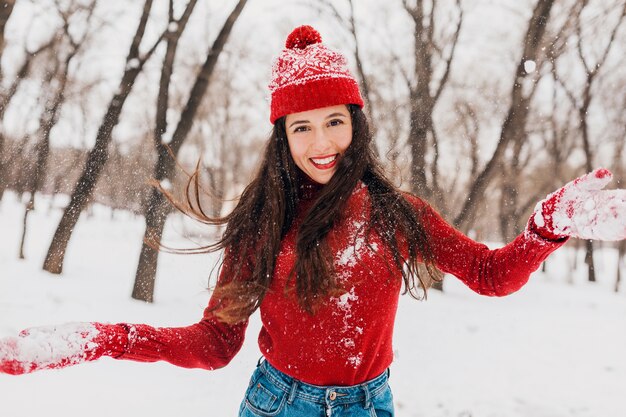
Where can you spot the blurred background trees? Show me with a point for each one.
(480, 107)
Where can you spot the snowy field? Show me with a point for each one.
(556, 348)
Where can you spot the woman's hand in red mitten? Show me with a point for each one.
(583, 209)
(59, 346)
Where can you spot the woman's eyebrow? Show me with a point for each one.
(327, 117)
(299, 122)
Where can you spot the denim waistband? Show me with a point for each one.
(328, 395)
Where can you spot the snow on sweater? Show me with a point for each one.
(349, 339)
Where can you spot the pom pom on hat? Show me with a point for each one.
(307, 75)
(302, 36)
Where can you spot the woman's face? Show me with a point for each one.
(318, 138)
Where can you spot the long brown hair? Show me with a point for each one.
(266, 210)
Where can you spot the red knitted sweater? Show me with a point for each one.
(349, 340)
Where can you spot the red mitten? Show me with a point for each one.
(582, 209)
(51, 347)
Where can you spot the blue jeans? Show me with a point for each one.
(272, 393)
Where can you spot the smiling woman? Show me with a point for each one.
(318, 138)
(321, 243)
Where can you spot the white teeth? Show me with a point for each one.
(324, 160)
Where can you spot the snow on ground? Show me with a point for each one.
(553, 349)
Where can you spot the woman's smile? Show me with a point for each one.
(325, 162)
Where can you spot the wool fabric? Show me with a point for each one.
(307, 75)
(349, 339)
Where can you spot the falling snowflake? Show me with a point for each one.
(134, 63)
(530, 66)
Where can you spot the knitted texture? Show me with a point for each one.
(583, 209)
(348, 341)
(307, 75)
(50, 347)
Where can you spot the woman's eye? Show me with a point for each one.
(300, 129)
(335, 122)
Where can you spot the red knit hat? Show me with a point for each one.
(308, 76)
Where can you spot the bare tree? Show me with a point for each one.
(7, 96)
(157, 208)
(424, 97)
(619, 171)
(515, 201)
(384, 123)
(232, 153)
(99, 154)
(470, 132)
(560, 140)
(6, 8)
(582, 102)
(50, 114)
(517, 115)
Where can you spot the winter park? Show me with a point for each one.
(313, 208)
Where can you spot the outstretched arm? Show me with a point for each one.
(208, 344)
(494, 272)
(580, 209)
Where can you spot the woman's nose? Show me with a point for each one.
(321, 139)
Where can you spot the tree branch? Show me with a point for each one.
(446, 74)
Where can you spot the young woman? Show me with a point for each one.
(321, 243)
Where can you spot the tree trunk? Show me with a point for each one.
(49, 118)
(517, 114)
(156, 209)
(588, 244)
(99, 154)
(29, 207)
(421, 124)
(423, 100)
(155, 216)
(589, 261)
(584, 127)
(508, 201)
(43, 150)
(155, 213)
(423, 103)
(6, 8)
